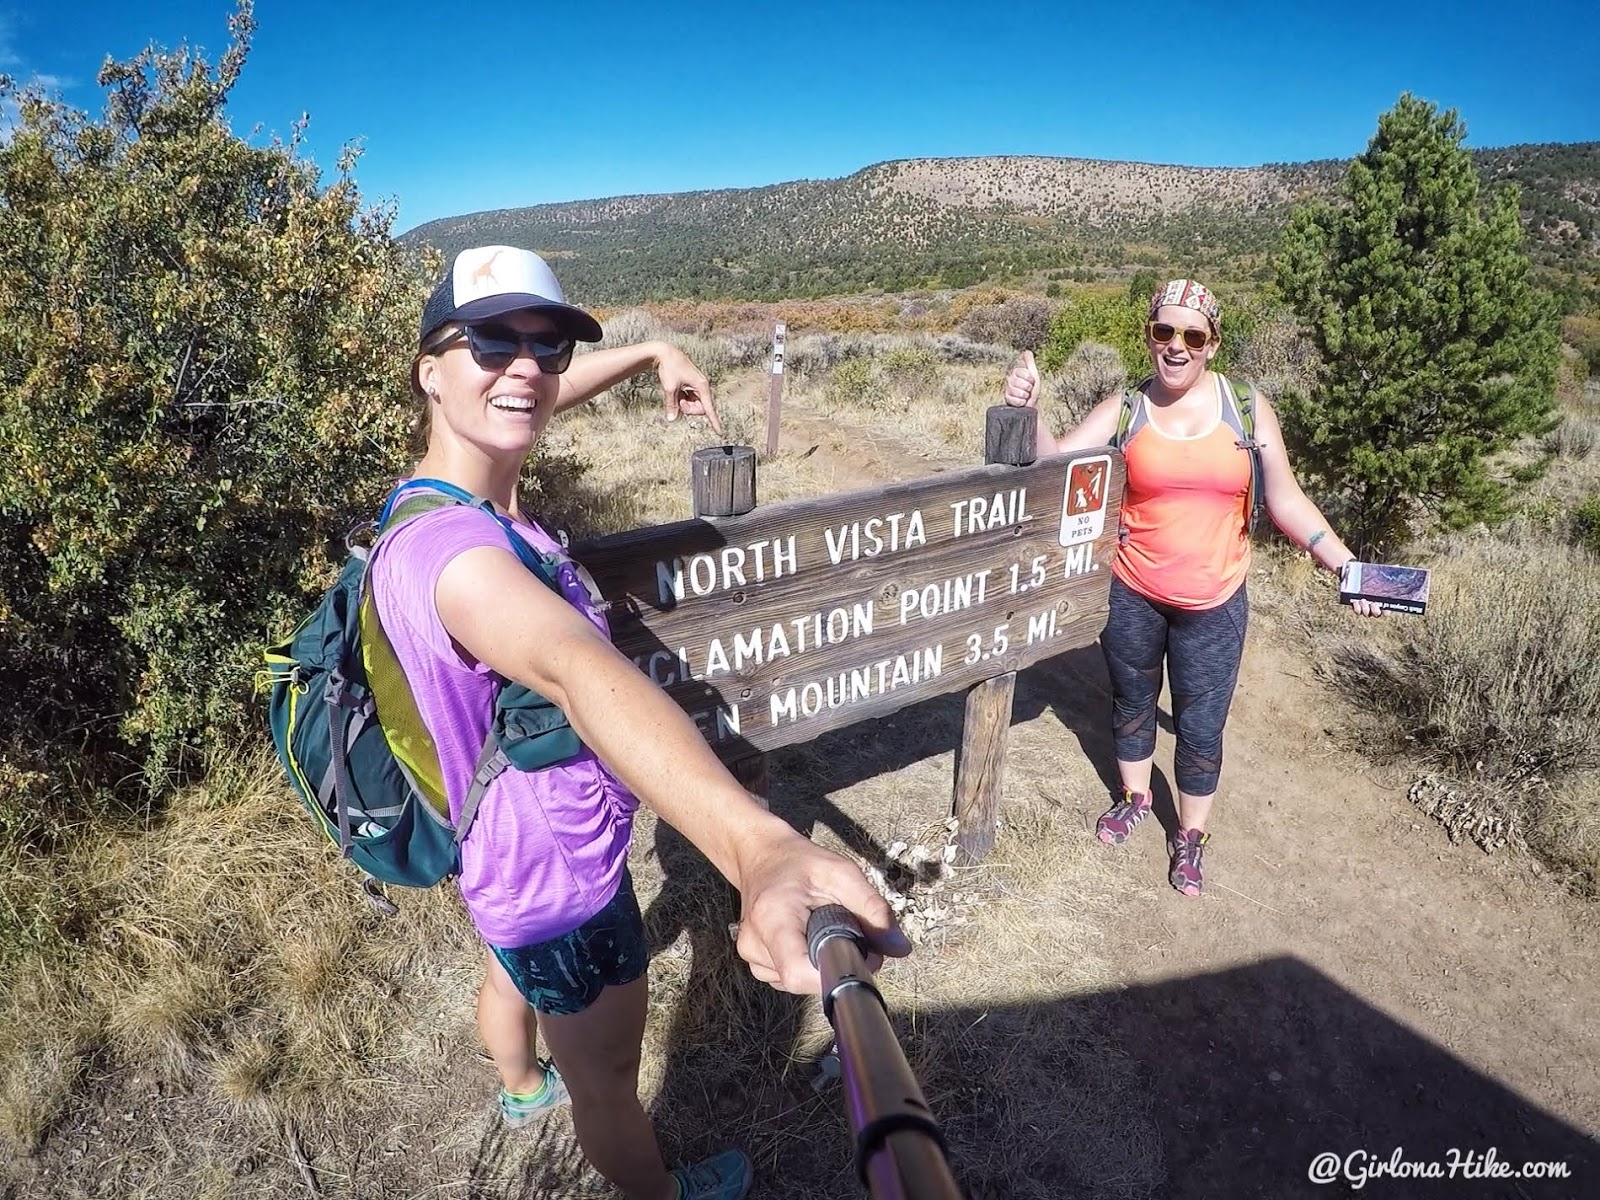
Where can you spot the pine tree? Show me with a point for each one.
(1436, 348)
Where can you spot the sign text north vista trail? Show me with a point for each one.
(794, 619)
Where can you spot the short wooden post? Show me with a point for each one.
(1008, 437)
(722, 481)
(775, 390)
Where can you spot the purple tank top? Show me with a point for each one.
(547, 848)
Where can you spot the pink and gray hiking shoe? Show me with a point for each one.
(1117, 822)
(1186, 847)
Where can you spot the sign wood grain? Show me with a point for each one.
(794, 619)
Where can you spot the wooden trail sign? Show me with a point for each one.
(794, 619)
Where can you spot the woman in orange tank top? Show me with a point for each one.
(1178, 599)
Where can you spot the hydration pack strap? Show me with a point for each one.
(492, 761)
(401, 507)
(1241, 404)
(341, 761)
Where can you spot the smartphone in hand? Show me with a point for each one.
(1388, 585)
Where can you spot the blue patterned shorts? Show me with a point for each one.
(566, 974)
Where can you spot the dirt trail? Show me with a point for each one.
(1351, 981)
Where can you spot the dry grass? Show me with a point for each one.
(231, 1015)
(933, 408)
(237, 976)
(46, 1041)
(225, 956)
(1576, 437)
(1495, 694)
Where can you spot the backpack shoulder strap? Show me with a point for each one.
(1238, 410)
(1132, 416)
(417, 496)
(1240, 405)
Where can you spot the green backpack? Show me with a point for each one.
(1238, 411)
(350, 737)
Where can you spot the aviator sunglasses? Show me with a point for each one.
(1161, 333)
(494, 347)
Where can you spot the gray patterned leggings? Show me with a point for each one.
(1202, 650)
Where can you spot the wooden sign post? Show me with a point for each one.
(775, 390)
(722, 483)
(1009, 438)
(785, 622)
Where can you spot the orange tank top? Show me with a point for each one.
(1183, 510)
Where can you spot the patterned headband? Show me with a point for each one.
(1187, 293)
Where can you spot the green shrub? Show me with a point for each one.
(1584, 527)
(854, 383)
(910, 370)
(202, 382)
(1582, 333)
(1112, 320)
(1092, 372)
(1531, 471)
(1435, 349)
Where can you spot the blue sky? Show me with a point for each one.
(468, 106)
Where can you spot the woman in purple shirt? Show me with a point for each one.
(544, 867)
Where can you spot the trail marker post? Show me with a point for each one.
(775, 389)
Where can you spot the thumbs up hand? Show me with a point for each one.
(1022, 382)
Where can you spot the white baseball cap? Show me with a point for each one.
(488, 281)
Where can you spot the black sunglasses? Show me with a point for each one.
(494, 347)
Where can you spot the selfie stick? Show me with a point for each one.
(899, 1150)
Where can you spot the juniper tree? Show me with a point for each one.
(1436, 349)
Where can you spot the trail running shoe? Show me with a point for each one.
(725, 1176)
(1117, 822)
(518, 1109)
(1186, 849)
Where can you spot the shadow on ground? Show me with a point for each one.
(1239, 1080)
(1227, 1084)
